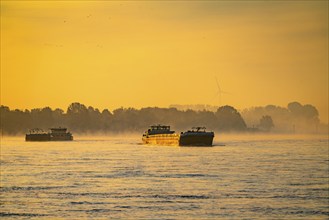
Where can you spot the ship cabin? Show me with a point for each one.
(58, 130)
(198, 129)
(159, 129)
(60, 134)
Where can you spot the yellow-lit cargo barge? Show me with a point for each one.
(160, 135)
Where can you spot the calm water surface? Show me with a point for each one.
(240, 178)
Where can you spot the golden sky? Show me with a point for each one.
(109, 54)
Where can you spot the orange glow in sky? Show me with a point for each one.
(109, 54)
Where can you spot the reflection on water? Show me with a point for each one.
(276, 178)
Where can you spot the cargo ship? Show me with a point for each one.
(55, 134)
(198, 136)
(160, 135)
(37, 134)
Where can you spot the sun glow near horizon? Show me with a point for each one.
(139, 54)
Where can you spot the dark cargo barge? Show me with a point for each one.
(198, 136)
(55, 134)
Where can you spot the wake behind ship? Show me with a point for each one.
(55, 134)
(160, 135)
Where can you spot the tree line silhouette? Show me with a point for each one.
(295, 118)
(82, 119)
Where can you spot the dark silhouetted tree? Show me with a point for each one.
(295, 108)
(106, 118)
(229, 119)
(266, 123)
(77, 117)
(310, 112)
(305, 118)
(94, 118)
(59, 118)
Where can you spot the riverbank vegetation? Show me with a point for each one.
(295, 118)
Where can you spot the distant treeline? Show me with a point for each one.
(82, 119)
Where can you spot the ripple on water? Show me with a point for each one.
(244, 179)
(12, 214)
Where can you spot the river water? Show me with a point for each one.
(240, 177)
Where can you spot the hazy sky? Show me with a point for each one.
(138, 54)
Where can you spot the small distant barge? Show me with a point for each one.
(198, 136)
(55, 134)
(162, 135)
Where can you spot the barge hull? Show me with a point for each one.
(196, 140)
(61, 138)
(37, 137)
(161, 140)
